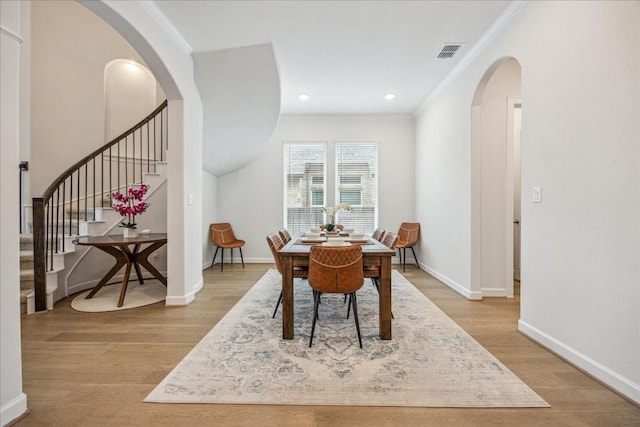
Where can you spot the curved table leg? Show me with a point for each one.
(121, 260)
(125, 280)
(142, 259)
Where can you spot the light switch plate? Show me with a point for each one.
(537, 194)
(190, 199)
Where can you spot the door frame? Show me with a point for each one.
(512, 104)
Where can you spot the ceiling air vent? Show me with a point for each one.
(448, 50)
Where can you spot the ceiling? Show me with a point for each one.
(346, 55)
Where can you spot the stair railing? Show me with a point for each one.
(78, 193)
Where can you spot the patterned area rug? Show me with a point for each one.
(431, 361)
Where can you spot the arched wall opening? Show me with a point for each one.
(171, 63)
(495, 189)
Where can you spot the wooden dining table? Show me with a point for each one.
(296, 253)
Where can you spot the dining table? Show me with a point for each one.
(117, 246)
(374, 254)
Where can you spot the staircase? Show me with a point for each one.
(26, 269)
(78, 204)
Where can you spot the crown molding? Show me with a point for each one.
(11, 34)
(164, 22)
(509, 13)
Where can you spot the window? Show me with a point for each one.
(304, 189)
(356, 173)
(355, 183)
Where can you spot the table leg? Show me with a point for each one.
(142, 259)
(132, 256)
(121, 260)
(287, 297)
(125, 280)
(384, 298)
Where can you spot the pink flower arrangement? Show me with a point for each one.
(131, 204)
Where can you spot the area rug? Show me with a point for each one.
(151, 292)
(430, 361)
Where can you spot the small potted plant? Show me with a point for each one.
(331, 212)
(129, 205)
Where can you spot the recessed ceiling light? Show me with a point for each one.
(389, 96)
(303, 97)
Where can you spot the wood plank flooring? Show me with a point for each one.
(94, 369)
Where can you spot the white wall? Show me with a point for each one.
(209, 214)
(251, 198)
(70, 48)
(580, 143)
(13, 402)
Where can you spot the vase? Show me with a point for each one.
(130, 233)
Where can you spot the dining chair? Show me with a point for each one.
(285, 235)
(335, 270)
(409, 234)
(373, 272)
(275, 244)
(378, 234)
(223, 237)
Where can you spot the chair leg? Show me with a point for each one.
(231, 249)
(354, 302)
(349, 306)
(404, 258)
(214, 256)
(222, 262)
(414, 256)
(316, 301)
(241, 257)
(277, 305)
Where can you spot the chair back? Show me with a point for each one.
(409, 233)
(222, 234)
(336, 269)
(284, 235)
(390, 239)
(275, 244)
(378, 234)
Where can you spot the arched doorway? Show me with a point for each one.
(495, 187)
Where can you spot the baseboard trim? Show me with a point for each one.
(185, 299)
(612, 379)
(471, 295)
(13, 410)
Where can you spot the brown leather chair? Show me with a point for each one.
(373, 272)
(378, 234)
(335, 270)
(222, 237)
(409, 234)
(275, 244)
(285, 235)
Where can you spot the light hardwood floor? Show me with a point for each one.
(84, 369)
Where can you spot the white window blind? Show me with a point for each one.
(357, 184)
(304, 188)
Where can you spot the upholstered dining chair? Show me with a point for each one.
(223, 237)
(285, 235)
(409, 234)
(335, 270)
(378, 234)
(275, 244)
(373, 271)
